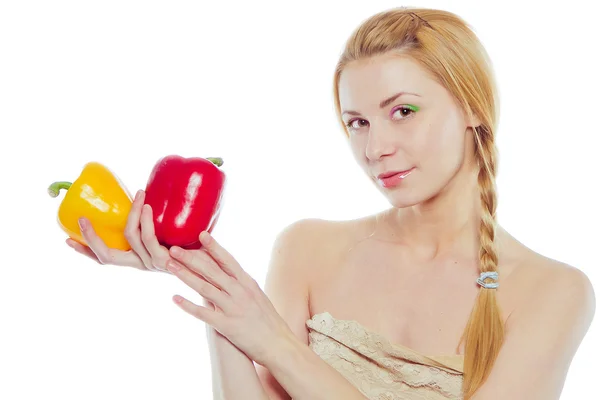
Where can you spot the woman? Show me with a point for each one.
(457, 307)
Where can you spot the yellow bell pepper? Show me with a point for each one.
(99, 196)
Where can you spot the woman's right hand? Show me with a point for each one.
(146, 252)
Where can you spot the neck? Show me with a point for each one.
(448, 222)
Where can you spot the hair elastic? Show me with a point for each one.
(485, 275)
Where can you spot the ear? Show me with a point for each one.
(474, 121)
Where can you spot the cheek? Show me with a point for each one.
(441, 151)
(358, 151)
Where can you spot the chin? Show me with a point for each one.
(402, 197)
(398, 202)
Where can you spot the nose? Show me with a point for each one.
(380, 142)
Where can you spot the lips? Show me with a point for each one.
(391, 173)
(393, 179)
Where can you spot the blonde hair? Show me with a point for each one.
(444, 45)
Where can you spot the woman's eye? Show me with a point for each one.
(350, 124)
(405, 111)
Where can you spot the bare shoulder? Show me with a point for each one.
(551, 281)
(543, 333)
(306, 240)
(314, 241)
(535, 280)
(551, 286)
(299, 250)
(306, 229)
(295, 251)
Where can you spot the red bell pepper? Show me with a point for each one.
(186, 195)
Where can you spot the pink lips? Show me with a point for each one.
(392, 179)
(390, 173)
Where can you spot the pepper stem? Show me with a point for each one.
(54, 189)
(218, 161)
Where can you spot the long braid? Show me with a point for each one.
(485, 330)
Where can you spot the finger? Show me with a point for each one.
(159, 254)
(201, 263)
(132, 231)
(104, 254)
(225, 260)
(78, 247)
(209, 305)
(204, 288)
(202, 313)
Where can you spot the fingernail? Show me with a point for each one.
(205, 237)
(176, 251)
(82, 223)
(137, 195)
(172, 266)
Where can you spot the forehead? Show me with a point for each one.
(365, 83)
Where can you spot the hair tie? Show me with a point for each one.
(485, 275)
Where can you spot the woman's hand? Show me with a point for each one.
(243, 313)
(146, 252)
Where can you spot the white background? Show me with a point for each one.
(127, 82)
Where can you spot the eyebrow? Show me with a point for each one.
(384, 103)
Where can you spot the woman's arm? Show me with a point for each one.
(299, 253)
(233, 373)
(294, 371)
(298, 369)
(542, 336)
(305, 376)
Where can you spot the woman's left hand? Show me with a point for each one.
(244, 314)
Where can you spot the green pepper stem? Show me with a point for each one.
(218, 161)
(54, 189)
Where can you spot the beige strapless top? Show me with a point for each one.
(382, 370)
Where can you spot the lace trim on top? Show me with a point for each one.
(382, 370)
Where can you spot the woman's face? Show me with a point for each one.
(424, 131)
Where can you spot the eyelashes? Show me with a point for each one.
(349, 123)
(408, 107)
